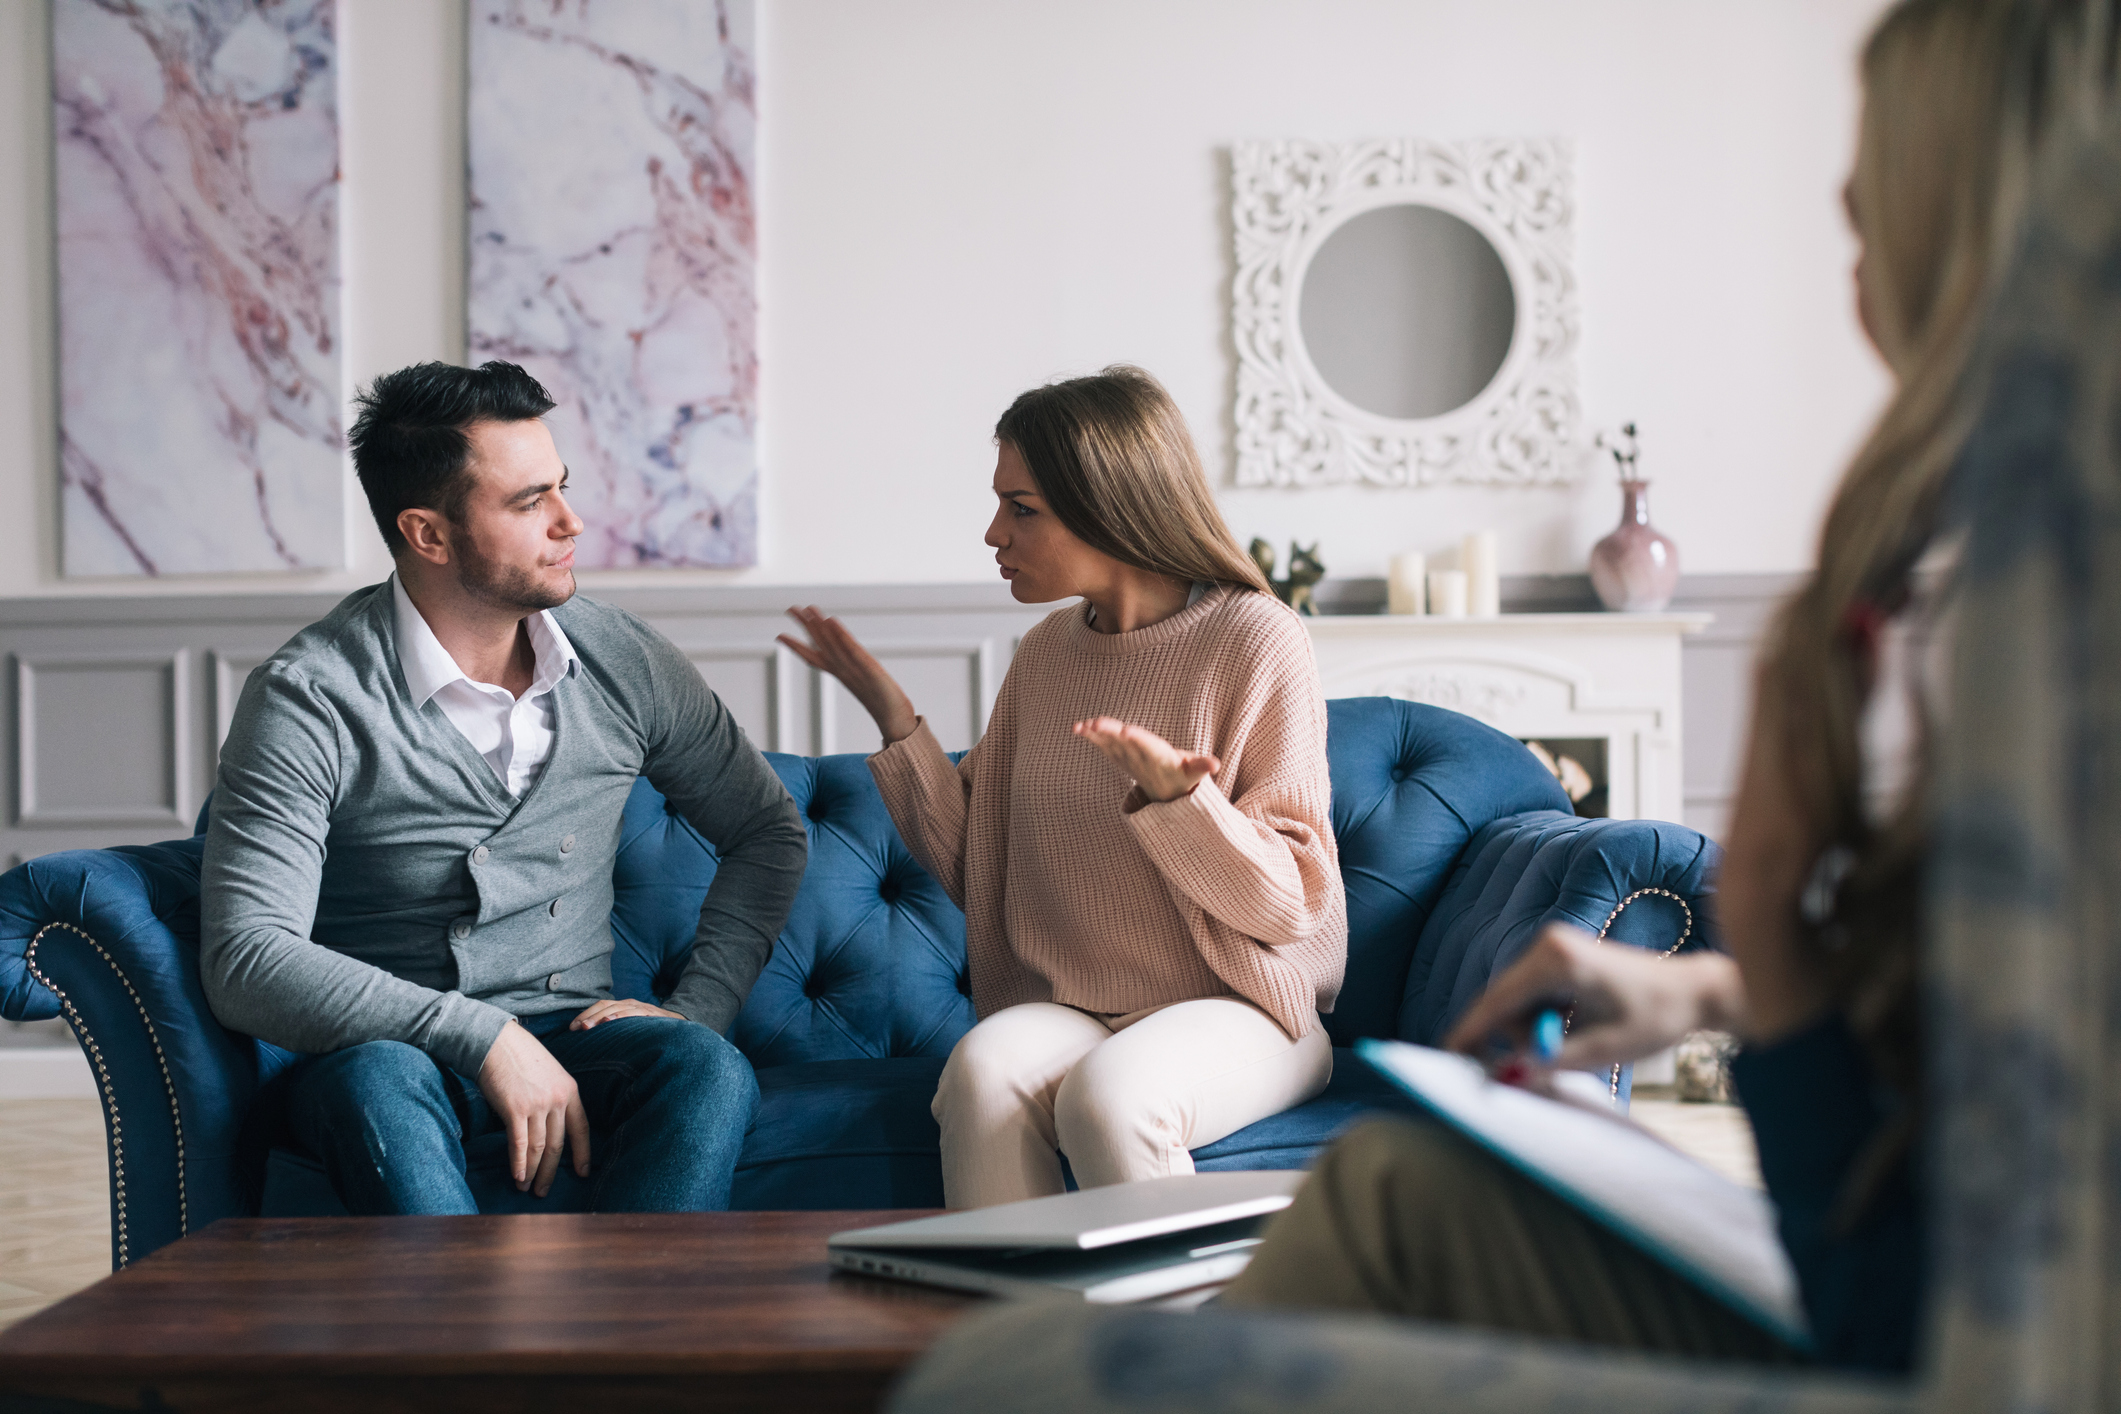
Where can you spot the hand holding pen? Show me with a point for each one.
(1527, 1065)
(1622, 1003)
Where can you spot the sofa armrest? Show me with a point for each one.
(108, 939)
(1029, 1357)
(1645, 882)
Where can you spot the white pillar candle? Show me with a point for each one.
(1447, 593)
(1483, 583)
(1406, 592)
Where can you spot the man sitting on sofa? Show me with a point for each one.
(408, 872)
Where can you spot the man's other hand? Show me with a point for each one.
(536, 1098)
(612, 1008)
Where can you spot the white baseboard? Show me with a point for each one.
(45, 1073)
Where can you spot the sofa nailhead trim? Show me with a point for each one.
(1684, 934)
(110, 1095)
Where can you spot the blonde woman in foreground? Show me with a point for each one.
(1140, 841)
(1821, 896)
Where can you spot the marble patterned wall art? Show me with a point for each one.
(613, 243)
(197, 165)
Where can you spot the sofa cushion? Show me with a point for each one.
(1525, 871)
(843, 1134)
(871, 963)
(1411, 785)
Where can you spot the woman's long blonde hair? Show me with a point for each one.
(1112, 457)
(1961, 98)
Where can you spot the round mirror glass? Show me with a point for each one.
(1407, 311)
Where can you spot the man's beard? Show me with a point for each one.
(508, 586)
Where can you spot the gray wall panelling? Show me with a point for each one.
(1716, 685)
(114, 709)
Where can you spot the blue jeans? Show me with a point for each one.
(669, 1101)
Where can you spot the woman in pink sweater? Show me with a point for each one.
(1140, 842)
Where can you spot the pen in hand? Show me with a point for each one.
(1546, 1033)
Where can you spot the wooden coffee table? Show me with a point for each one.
(697, 1311)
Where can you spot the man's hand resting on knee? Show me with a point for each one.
(614, 1008)
(537, 1100)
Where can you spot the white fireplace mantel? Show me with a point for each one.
(1609, 677)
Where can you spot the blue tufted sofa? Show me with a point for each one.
(1455, 847)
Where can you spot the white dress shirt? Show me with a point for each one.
(513, 733)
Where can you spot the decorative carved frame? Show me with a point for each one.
(1294, 430)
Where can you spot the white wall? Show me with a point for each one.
(962, 198)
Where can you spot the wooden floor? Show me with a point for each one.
(55, 1187)
(1718, 1135)
(54, 1202)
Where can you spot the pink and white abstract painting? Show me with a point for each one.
(613, 246)
(197, 157)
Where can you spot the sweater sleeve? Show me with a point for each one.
(258, 885)
(1814, 1112)
(1262, 861)
(700, 759)
(929, 800)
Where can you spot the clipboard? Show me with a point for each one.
(1720, 1235)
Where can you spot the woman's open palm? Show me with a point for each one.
(833, 649)
(1161, 770)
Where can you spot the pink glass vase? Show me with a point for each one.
(1636, 568)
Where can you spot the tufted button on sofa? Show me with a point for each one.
(1455, 845)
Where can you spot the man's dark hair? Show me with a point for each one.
(409, 440)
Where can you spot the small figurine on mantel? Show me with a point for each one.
(1305, 571)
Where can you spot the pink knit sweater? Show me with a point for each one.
(1076, 889)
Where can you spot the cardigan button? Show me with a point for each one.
(480, 855)
(460, 932)
(552, 983)
(554, 910)
(567, 845)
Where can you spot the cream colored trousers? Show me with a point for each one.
(1124, 1097)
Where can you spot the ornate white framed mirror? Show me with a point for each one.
(1404, 313)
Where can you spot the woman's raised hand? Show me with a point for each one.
(832, 649)
(1161, 770)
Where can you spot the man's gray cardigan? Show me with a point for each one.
(368, 877)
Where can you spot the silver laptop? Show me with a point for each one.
(1125, 1242)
